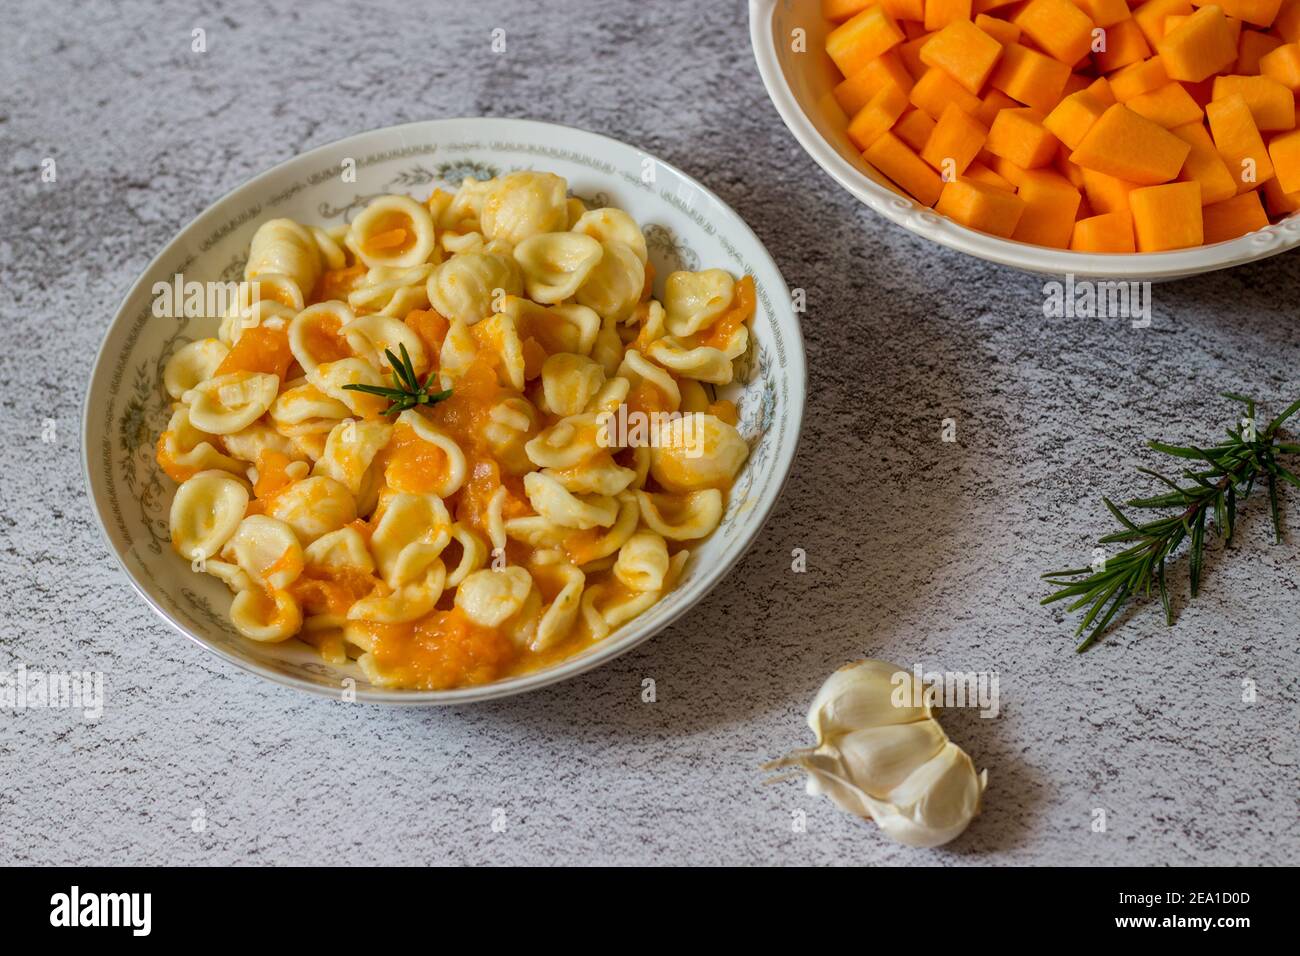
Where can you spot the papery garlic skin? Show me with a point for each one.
(893, 764)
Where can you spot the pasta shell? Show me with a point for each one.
(614, 285)
(693, 300)
(231, 402)
(192, 364)
(267, 550)
(313, 507)
(205, 512)
(612, 225)
(524, 204)
(696, 451)
(681, 517)
(554, 264)
(393, 231)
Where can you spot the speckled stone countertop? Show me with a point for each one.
(918, 550)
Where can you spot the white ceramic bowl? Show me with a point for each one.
(686, 226)
(800, 84)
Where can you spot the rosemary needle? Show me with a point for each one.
(408, 391)
(1223, 475)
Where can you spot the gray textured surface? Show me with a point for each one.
(917, 550)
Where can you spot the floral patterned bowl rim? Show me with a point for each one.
(799, 82)
(687, 226)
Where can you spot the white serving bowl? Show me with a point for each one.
(687, 227)
(800, 85)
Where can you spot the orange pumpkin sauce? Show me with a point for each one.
(259, 349)
(325, 341)
(431, 327)
(741, 311)
(331, 590)
(392, 235)
(337, 283)
(440, 650)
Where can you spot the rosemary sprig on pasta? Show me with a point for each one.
(409, 392)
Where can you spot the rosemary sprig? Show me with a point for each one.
(1224, 475)
(408, 392)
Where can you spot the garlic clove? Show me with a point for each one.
(867, 693)
(882, 758)
(934, 804)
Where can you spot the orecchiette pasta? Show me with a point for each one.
(455, 439)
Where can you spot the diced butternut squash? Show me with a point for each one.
(1104, 13)
(1201, 45)
(1167, 217)
(1284, 153)
(1238, 141)
(1030, 77)
(892, 157)
(1131, 147)
(940, 13)
(1020, 137)
(1261, 13)
(1233, 217)
(1138, 78)
(1001, 30)
(914, 128)
(1280, 203)
(855, 92)
(1058, 27)
(878, 116)
(1109, 232)
(955, 142)
(936, 89)
(1151, 16)
(1168, 106)
(977, 172)
(1283, 65)
(1050, 207)
(862, 38)
(1272, 105)
(1103, 126)
(1073, 117)
(1125, 45)
(1204, 165)
(964, 52)
(1250, 47)
(837, 11)
(981, 206)
(1106, 193)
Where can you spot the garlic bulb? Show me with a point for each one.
(880, 756)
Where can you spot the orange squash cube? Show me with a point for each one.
(1108, 232)
(1233, 217)
(1101, 91)
(1001, 30)
(1073, 117)
(1167, 217)
(891, 156)
(1287, 22)
(993, 102)
(936, 89)
(1105, 13)
(1168, 106)
(940, 13)
(837, 11)
(863, 37)
(964, 52)
(1138, 78)
(914, 128)
(955, 142)
(1131, 147)
(1020, 137)
(980, 206)
(1238, 141)
(1251, 47)
(1261, 13)
(1201, 45)
(1008, 170)
(907, 11)
(1272, 105)
(1204, 165)
(1283, 65)
(1030, 77)
(1050, 207)
(1058, 27)
(855, 92)
(1106, 193)
(910, 54)
(977, 172)
(1150, 17)
(1280, 203)
(1125, 45)
(878, 116)
(1284, 153)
